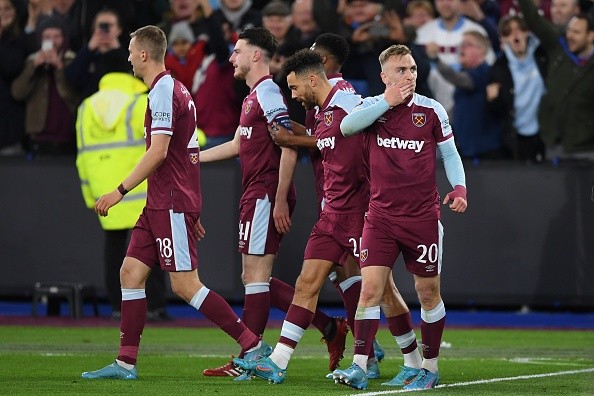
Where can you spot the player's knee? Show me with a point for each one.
(369, 296)
(304, 287)
(181, 291)
(428, 294)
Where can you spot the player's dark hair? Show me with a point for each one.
(335, 45)
(304, 62)
(152, 40)
(261, 38)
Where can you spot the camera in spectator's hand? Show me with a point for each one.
(378, 30)
(104, 27)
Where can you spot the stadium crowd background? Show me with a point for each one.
(41, 85)
(40, 124)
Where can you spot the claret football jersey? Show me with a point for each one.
(176, 182)
(402, 158)
(259, 155)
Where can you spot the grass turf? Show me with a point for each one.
(49, 360)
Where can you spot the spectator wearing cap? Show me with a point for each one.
(184, 54)
(49, 99)
(205, 24)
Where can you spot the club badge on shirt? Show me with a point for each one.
(193, 158)
(419, 119)
(328, 118)
(363, 255)
(248, 106)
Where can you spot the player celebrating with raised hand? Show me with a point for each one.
(404, 213)
(346, 277)
(169, 227)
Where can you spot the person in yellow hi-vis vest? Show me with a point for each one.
(110, 142)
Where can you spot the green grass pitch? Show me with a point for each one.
(49, 360)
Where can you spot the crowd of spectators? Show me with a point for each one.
(516, 76)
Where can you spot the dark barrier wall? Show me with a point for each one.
(527, 238)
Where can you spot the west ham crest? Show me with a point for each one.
(419, 119)
(248, 106)
(193, 158)
(328, 118)
(363, 255)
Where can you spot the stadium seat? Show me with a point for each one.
(73, 293)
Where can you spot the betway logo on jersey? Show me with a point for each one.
(401, 144)
(245, 131)
(326, 142)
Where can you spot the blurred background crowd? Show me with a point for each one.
(516, 76)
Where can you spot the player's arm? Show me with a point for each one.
(281, 214)
(222, 151)
(455, 174)
(284, 138)
(363, 115)
(298, 129)
(149, 162)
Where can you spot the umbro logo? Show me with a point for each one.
(382, 119)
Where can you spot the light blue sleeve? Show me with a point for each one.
(363, 115)
(452, 163)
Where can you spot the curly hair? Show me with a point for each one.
(334, 44)
(303, 62)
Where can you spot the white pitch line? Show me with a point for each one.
(486, 381)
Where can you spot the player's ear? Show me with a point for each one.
(256, 56)
(384, 78)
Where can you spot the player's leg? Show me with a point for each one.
(187, 285)
(333, 330)
(299, 317)
(425, 264)
(256, 277)
(378, 253)
(133, 275)
(400, 325)
(348, 281)
(366, 325)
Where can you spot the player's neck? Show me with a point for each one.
(322, 93)
(256, 74)
(152, 73)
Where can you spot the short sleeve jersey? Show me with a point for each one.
(346, 183)
(402, 158)
(259, 155)
(314, 154)
(176, 182)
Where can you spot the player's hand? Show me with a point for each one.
(397, 93)
(279, 134)
(199, 229)
(458, 198)
(281, 216)
(107, 201)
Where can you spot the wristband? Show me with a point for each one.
(122, 190)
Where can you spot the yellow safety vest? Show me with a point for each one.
(110, 141)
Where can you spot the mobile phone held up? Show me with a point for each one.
(47, 45)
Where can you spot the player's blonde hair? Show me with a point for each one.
(152, 40)
(394, 50)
